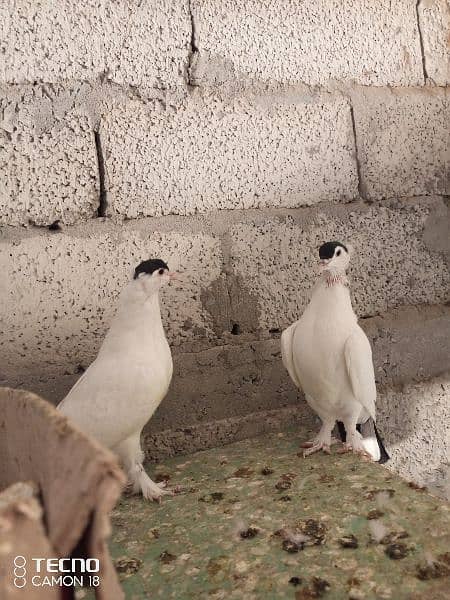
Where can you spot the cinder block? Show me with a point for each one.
(137, 43)
(59, 293)
(402, 140)
(371, 43)
(48, 159)
(391, 266)
(415, 425)
(247, 153)
(224, 382)
(214, 434)
(48, 175)
(409, 344)
(434, 18)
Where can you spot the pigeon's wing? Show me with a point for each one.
(76, 385)
(287, 338)
(99, 405)
(358, 359)
(90, 390)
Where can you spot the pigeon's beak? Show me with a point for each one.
(324, 261)
(173, 275)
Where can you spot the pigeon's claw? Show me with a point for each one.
(169, 491)
(151, 490)
(316, 447)
(316, 441)
(156, 495)
(317, 444)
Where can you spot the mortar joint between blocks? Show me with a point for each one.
(422, 49)
(102, 199)
(358, 164)
(193, 47)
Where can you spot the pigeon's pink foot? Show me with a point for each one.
(355, 445)
(316, 447)
(318, 444)
(153, 491)
(142, 483)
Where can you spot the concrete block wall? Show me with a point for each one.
(231, 139)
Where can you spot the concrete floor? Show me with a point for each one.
(257, 520)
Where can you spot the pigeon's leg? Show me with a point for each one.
(323, 440)
(354, 440)
(131, 455)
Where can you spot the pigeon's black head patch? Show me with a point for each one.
(148, 266)
(327, 250)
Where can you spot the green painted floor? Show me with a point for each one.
(257, 520)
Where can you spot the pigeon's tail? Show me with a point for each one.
(372, 440)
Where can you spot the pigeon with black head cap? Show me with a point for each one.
(328, 355)
(122, 388)
(148, 267)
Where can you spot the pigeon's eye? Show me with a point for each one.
(161, 271)
(338, 253)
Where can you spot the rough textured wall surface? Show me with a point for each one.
(48, 175)
(230, 139)
(131, 42)
(417, 431)
(372, 43)
(434, 20)
(250, 152)
(391, 264)
(403, 142)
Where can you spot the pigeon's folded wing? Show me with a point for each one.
(358, 358)
(102, 404)
(106, 378)
(72, 390)
(286, 352)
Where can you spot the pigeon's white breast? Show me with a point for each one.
(318, 349)
(148, 375)
(152, 374)
(120, 391)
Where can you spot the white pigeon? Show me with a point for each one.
(125, 384)
(328, 355)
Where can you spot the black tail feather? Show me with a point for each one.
(384, 456)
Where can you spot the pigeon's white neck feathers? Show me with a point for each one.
(138, 303)
(335, 277)
(139, 291)
(137, 321)
(331, 298)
